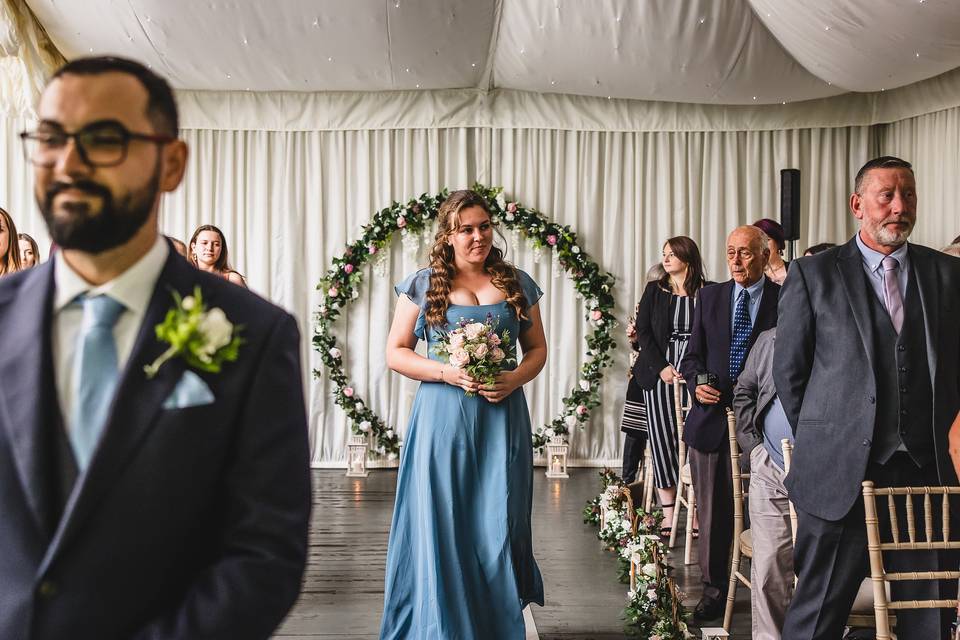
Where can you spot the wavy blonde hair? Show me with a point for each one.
(503, 274)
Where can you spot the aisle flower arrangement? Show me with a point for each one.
(653, 610)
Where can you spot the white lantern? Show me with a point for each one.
(357, 457)
(714, 633)
(557, 458)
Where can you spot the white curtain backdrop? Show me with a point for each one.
(288, 202)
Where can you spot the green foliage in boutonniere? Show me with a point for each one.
(203, 337)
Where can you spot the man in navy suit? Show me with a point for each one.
(726, 322)
(135, 506)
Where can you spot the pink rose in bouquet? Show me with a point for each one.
(476, 348)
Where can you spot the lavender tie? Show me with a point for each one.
(891, 292)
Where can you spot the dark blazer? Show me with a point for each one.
(188, 523)
(653, 334)
(824, 373)
(708, 351)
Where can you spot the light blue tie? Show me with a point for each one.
(95, 375)
(741, 334)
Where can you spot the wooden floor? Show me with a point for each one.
(343, 589)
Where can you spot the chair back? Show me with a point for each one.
(739, 478)
(680, 411)
(934, 538)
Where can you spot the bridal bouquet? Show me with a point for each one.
(477, 348)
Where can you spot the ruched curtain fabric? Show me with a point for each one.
(288, 202)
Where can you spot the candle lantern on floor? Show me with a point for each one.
(357, 457)
(557, 458)
(714, 633)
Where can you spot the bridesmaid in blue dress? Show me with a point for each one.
(460, 561)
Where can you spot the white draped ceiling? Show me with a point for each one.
(512, 93)
(702, 51)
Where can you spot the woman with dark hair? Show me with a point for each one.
(29, 251)
(9, 245)
(208, 252)
(776, 268)
(663, 323)
(460, 559)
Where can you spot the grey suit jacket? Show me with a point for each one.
(823, 369)
(753, 394)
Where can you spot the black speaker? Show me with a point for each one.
(790, 203)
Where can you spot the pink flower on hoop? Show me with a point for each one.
(512, 207)
(348, 268)
(596, 314)
(401, 222)
(348, 391)
(581, 410)
(552, 240)
(372, 249)
(332, 292)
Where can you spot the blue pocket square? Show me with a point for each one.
(190, 391)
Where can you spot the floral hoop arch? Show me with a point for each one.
(340, 286)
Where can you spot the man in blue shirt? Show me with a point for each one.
(761, 426)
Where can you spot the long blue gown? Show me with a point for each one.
(460, 561)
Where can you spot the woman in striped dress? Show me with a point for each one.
(634, 421)
(663, 325)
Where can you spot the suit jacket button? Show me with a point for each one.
(866, 442)
(47, 589)
(871, 399)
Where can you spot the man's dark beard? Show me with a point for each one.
(113, 226)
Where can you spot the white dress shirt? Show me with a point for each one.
(133, 289)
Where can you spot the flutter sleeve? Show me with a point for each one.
(415, 287)
(531, 291)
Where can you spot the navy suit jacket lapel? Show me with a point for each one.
(850, 266)
(724, 310)
(135, 407)
(29, 399)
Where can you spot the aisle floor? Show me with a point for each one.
(343, 589)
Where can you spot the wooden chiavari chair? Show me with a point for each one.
(883, 605)
(742, 539)
(685, 494)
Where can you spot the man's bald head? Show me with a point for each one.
(747, 254)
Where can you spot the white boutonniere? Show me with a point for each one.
(203, 337)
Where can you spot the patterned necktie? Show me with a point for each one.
(95, 375)
(891, 291)
(741, 334)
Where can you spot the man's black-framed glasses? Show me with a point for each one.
(101, 144)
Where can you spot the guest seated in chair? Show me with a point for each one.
(728, 318)
(761, 425)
